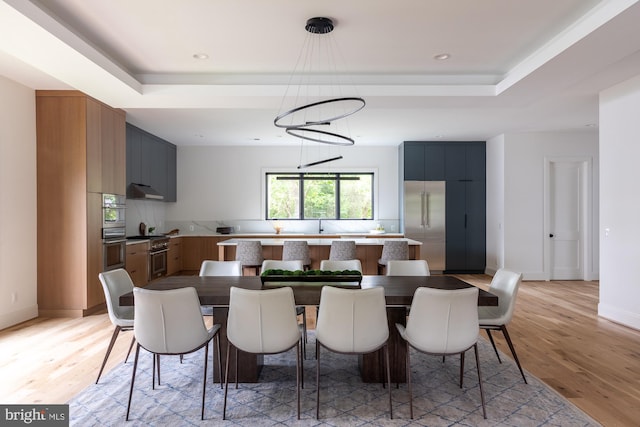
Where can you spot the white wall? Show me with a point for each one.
(18, 221)
(495, 204)
(227, 183)
(620, 204)
(521, 223)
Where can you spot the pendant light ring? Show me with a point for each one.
(360, 103)
(341, 139)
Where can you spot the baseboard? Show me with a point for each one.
(73, 313)
(18, 316)
(617, 315)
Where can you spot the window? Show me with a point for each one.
(319, 196)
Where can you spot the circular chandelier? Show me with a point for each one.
(303, 121)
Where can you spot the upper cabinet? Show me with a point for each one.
(151, 161)
(424, 162)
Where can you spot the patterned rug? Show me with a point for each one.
(344, 399)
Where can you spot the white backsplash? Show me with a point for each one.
(151, 212)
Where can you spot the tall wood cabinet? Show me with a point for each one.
(462, 165)
(80, 154)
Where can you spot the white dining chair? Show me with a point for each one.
(262, 322)
(505, 284)
(114, 284)
(301, 310)
(408, 267)
(169, 322)
(442, 322)
(352, 321)
(218, 268)
(341, 265)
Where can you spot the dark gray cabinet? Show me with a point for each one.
(463, 166)
(151, 161)
(423, 162)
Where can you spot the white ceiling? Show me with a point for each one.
(515, 66)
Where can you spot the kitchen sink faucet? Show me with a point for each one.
(320, 229)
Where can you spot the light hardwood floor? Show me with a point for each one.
(558, 336)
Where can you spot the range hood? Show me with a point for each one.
(141, 191)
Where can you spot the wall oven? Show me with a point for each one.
(114, 240)
(113, 211)
(114, 245)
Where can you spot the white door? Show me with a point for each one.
(566, 213)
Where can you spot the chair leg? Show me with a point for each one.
(133, 340)
(304, 349)
(317, 379)
(298, 373)
(484, 410)
(503, 328)
(236, 368)
(116, 331)
(153, 373)
(386, 357)
(493, 343)
(408, 370)
(462, 367)
(133, 378)
(219, 359)
(204, 381)
(226, 382)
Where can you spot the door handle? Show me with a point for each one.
(422, 202)
(550, 235)
(426, 210)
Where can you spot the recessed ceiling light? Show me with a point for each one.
(441, 56)
(200, 56)
(590, 125)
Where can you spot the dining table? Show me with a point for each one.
(214, 291)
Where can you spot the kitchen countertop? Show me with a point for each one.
(294, 235)
(316, 241)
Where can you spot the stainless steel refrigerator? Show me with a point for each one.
(424, 219)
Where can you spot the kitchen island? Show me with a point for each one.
(368, 250)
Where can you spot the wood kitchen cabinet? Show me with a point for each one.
(174, 256)
(79, 155)
(137, 262)
(196, 249)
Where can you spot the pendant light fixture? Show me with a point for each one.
(320, 108)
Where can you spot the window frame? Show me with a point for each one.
(330, 175)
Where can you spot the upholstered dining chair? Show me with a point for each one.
(505, 284)
(296, 250)
(262, 322)
(352, 321)
(442, 322)
(408, 267)
(342, 249)
(218, 268)
(393, 249)
(293, 265)
(249, 253)
(341, 264)
(115, 283)
(169, 322)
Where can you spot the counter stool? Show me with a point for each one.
(249, 253)
(393, 249)
(342, 250)
(294, 250)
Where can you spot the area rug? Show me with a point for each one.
(344, 399)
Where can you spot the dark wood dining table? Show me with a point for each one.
(399, 290)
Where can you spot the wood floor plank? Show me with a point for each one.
(559, 338)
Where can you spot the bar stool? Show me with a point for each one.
(342, 250)
(393, 249)
(294, 250)
(249, 253)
